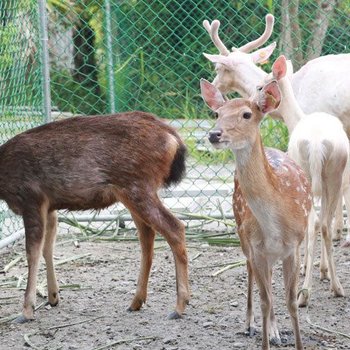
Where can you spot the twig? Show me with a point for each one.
(196, 256)
(123, 341)
(28, 335)
(11, 264)
(228, 267)
(73, 258)
(221, 264)
(323, 328)
(204, 217)
(28, 341)
(64, 325)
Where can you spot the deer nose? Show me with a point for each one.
(214, 136)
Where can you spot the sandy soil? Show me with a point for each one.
(96, 290)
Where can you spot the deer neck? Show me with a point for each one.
(289, 106)
(256, 178)
(248, 81)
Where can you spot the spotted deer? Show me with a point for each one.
(271, 203)
(90, 163)
(319, 144)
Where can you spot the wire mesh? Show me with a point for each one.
(112, 56)
(20, 81)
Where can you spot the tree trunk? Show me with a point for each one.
(325, 11)
(298, 59)
(286, 45)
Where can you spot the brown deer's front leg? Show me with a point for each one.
(34, 224)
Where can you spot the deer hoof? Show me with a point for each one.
(275, 341)
(303, 299)
(250, 331)
(174, 316)
(22, 319)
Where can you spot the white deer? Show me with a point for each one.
(271, 203)
(321, 85)
(319, 144)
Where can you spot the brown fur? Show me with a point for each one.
(91, 163)
(271, 203)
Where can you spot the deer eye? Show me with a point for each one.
(247, 115)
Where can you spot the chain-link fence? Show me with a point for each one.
(109, 56)
(20, 81)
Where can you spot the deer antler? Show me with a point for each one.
(213, 30)
(269, 20)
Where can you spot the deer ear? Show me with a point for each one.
(270, 97)
(279, 68)
(211, 95)
(262, 55)
(225, 60)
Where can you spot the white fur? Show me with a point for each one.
(321, 85)
(317, 139)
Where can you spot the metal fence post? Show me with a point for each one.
(110, 71)
(45, 61)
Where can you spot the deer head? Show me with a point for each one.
(237, 124)
(237, 70)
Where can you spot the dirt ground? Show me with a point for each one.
(98, 282)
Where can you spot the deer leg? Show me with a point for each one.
(34, 225)
(262, 274)
(338, 221)
(174, 232)
(346, 194)
(146, 237)
(290, 276)
(329, 202)
(312, 231)
(324, 273)
(154, 214)
(49, 243)
(250, 322)
(335, 283)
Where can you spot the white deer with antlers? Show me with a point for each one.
(321, 85)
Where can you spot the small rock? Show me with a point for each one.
(239, 345)
(170, 341)
(208, 324)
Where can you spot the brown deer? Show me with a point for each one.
(90, 163)
(271, 203)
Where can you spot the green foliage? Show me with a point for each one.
(157, 52)
(274, 133)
